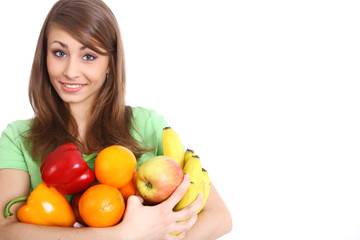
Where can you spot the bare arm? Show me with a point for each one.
(213, 221)
(138, 221)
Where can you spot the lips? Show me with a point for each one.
(72, 87)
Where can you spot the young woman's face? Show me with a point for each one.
(76, 72)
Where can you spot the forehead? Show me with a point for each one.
(57, 34)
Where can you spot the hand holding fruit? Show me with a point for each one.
(163, 220)
(157, 177)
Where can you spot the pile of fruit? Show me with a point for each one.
(100, 196)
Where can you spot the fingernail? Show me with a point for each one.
(187, 175)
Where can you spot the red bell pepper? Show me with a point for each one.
(66, 169)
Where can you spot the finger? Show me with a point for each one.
(176, 237)
(134, 199)
(198, 202)
(181, 235)
(133, 204)
(78, 225)
(179, 192)
(190, 210)
(185, 225)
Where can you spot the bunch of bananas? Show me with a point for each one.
(190, 163)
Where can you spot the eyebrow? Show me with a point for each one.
(66, 46)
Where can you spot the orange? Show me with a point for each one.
(101, 205)
(130, 188)
(115, 165)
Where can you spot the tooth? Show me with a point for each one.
(72, 86)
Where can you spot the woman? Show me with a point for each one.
(77, 90)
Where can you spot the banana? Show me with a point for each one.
(193, 167)
(172, 145)
(188, 154)
(197, 186)
(207, 186)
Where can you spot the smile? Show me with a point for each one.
(72, 88)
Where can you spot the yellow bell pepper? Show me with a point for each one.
(45, 206)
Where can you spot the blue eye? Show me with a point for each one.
(59, 53)
(89, 57)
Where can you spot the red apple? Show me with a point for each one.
(158, 178)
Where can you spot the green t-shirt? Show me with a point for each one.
(148, 126)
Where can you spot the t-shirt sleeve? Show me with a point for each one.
(11, 155)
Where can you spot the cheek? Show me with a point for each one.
(54, 67)
(95, 77)
(96, 74)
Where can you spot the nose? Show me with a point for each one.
(72, 70)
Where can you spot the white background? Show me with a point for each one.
(266, 92)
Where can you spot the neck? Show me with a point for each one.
(81, 114)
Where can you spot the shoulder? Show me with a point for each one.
(13, 145)
(13, 135)
(147, 128)
(147, 125)
(140, 112)
(21, 124)
(146, 116)
(18, 127)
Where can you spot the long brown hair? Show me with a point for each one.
(93, 24)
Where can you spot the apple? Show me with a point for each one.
(158, 177)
